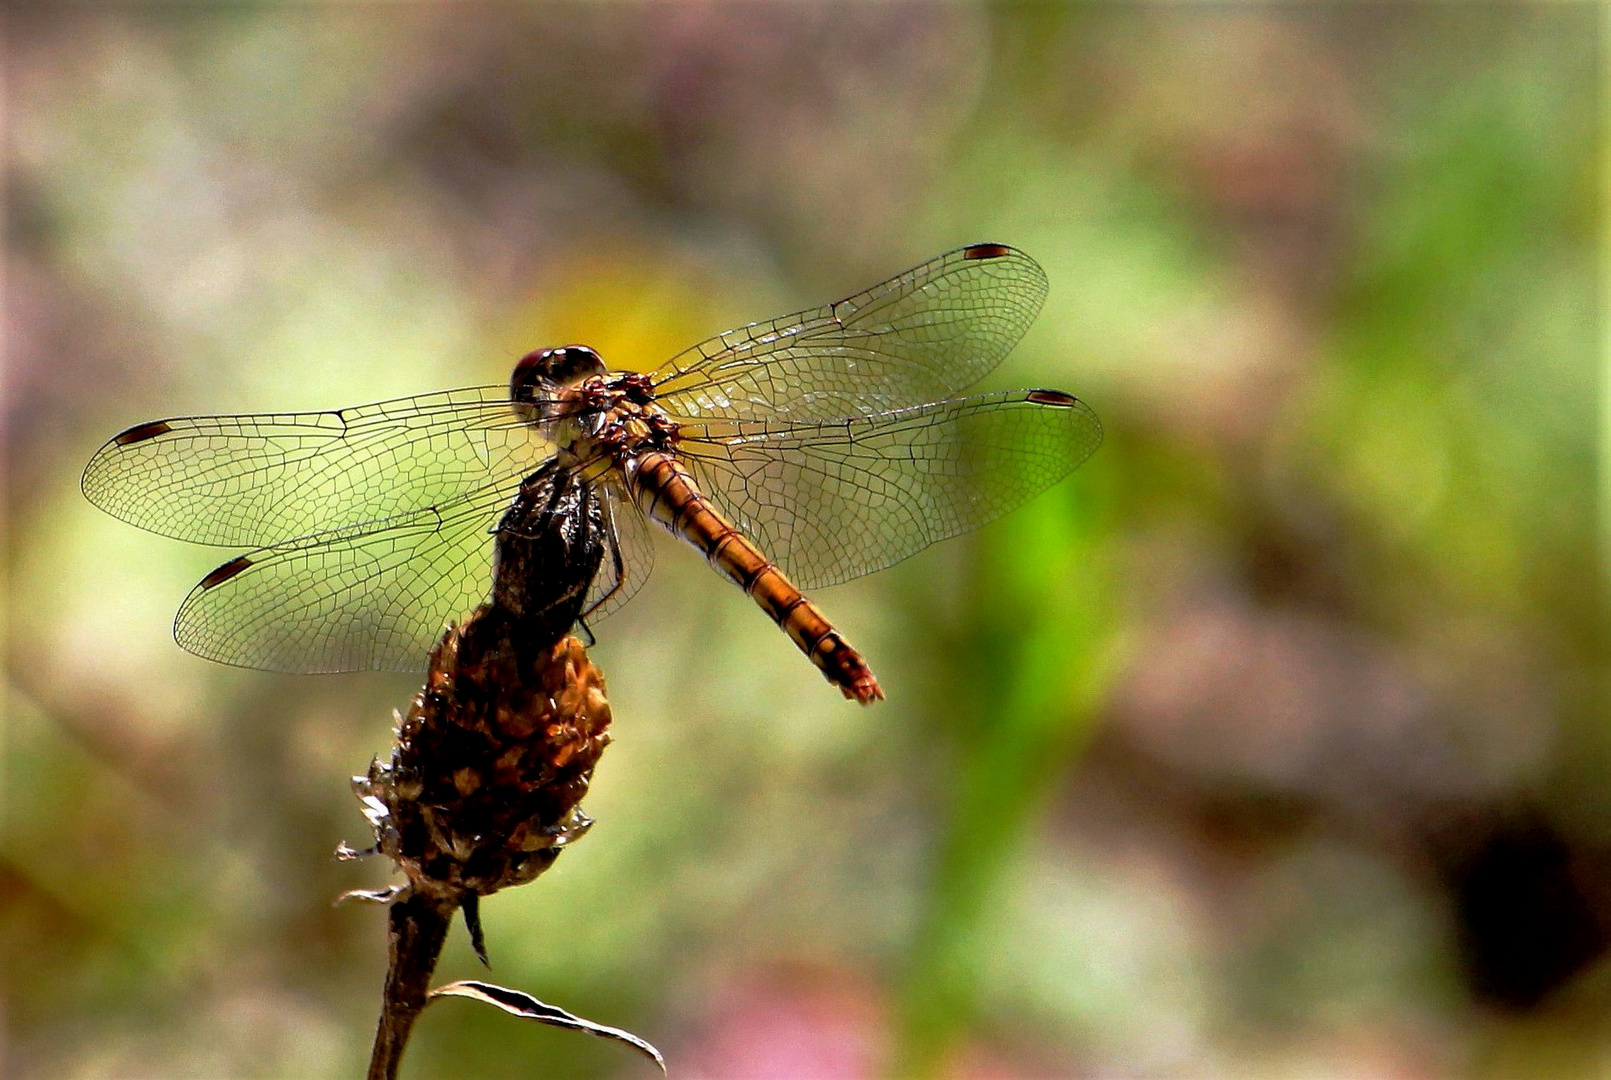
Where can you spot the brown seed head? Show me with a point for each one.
(495, 754)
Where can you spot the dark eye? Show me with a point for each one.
(578, 362)
(529, 371)
(555, 367)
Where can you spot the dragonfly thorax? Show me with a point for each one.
(601, 422)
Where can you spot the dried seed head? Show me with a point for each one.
(496, 752)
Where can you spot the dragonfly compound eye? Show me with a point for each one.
(564, 366)
(541, 378)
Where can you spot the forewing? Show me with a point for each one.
(261, 479)
(830, 502)
(628, 560)
(363, 597)
(918, 337)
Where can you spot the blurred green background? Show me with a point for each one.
(1274, 743)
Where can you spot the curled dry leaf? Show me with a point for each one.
(347, 853)
(372, 896)
(524, 1005)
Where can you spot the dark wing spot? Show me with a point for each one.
(142, 432)
(1054, 398)
(225, 572)
(986, 251)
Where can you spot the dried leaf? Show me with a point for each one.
(472, 922)
(528, 1007)
(373, 896)
(374, 810)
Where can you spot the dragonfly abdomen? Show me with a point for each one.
(665, 491)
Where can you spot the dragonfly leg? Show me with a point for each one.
(618, 563)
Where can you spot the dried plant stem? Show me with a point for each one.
(418, 927)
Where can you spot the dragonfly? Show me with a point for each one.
(794, 454)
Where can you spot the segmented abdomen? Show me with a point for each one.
(665, 491)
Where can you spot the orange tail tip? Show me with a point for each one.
(865, 690)
(847, 670)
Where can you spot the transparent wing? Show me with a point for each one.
(918, 337)
(830, 502)
(362, 597)
(629, 558)
(256, 480)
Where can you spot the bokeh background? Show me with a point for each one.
(1273, 743)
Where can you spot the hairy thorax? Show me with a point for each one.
(599, 420)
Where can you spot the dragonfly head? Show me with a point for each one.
(540, 376)
(553, 368)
